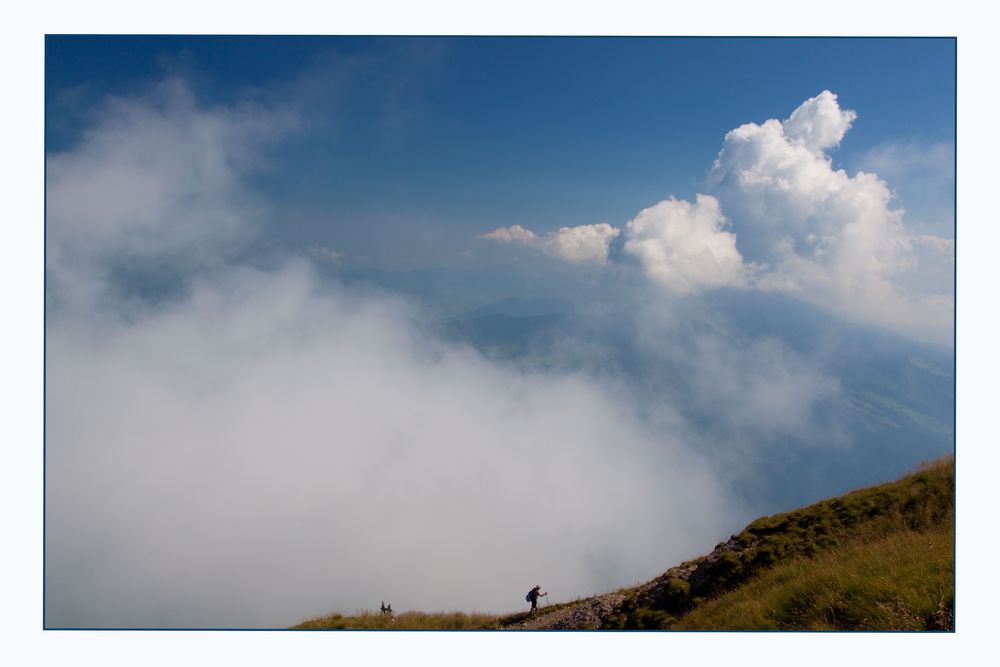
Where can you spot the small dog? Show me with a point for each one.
(386, 609)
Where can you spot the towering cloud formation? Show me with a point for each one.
(819, 123)
(829, 237)
(780, 217)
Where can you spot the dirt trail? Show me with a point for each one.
(586, 614)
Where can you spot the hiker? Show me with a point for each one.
(533, 596)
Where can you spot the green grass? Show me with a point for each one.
(415, 620)
(410, 620)
(918, 503)
(900, 581)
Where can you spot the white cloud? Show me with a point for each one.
(684, 247)
(819, 123)
(157, 180)
(512, 234)
(814, 230)
(265, 450)
(583, 243)
(780, 217)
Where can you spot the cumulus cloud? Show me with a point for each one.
(583, 243)
(831, 238)
(684, 247)
(775, 187)
(819, 122)
(778, 216)
(680, 246)
(265, 447)
(512, 234)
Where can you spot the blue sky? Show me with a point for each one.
(425, 143)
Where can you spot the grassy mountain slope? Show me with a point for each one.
(900, 581)
(879, 558)
(841, 530)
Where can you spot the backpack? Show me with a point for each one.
(527, 598)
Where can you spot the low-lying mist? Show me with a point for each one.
(268, 448)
